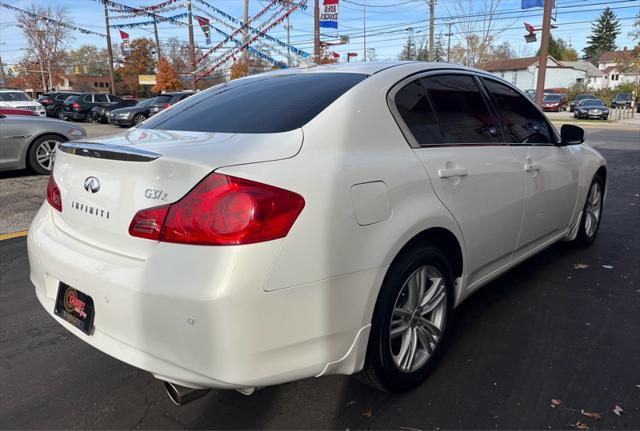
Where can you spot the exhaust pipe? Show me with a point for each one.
(180, 395)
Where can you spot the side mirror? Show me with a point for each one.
(571, 135)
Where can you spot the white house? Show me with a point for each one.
(616, 69)
(523, 72)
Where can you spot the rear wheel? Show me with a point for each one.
(42, 153)
(591, 214)
(410, 320)
(60, 114)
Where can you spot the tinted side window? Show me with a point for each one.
(262, 104)
(100, 98)
(114, 99)
(415, 110)
(163, 99)
(461, 109)
(88, 98)
(524, 123)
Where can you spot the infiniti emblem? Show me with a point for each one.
(92, 184)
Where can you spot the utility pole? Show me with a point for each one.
(449, 34)
(192, 49)
(544, 51)
(2, 77)
(364, 28)
(109, 49)
(316, 31)
(288, 42)
(245, 33)
(155, 33)
(432, 11)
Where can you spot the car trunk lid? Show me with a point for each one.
(104, 182)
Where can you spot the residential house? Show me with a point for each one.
(594, 78)
(523, 72)
(619, 67)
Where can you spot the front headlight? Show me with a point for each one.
(77, 132)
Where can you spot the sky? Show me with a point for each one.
(387, 22)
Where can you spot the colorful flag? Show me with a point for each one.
(205, 27)
(126, 49)
(329, 14)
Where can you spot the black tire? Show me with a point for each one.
(32, 155)
(137, 119)
(583, 239)
(380, 370)
(59, 114)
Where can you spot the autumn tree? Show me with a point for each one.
(239, 69)
(95, 60)
(177, 53)
(139, 62)
(167, 78)
(46, 40)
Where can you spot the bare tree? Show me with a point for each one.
(474, 29)
(46, 39)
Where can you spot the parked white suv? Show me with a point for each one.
(20, 100)
(308, 222)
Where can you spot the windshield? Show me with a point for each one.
(264, 104)
(552, 98)
(623, 97)
(14, 96)
(592, 102)
(584, 96)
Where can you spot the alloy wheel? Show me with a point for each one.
(593, 209)
(418, 318)
(45, 153)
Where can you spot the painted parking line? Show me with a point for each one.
(19, 234)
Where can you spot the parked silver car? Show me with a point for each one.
(30, 142)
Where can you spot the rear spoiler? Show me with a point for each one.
(108, 152)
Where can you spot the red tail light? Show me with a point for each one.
(53, 194)
(75, 105)
(166, 105)
(222, 210)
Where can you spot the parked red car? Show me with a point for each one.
(15, 111)
(555, 102)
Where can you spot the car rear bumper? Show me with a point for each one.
(199, 316)
(73, 115)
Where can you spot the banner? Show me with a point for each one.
(173, 19)
(529, 4)
(205, 27)
(329, 14)
(126, 49)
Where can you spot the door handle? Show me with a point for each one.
(531, 166)
(454, 172)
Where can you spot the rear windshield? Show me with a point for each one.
(266, 104)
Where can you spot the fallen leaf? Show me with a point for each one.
(607, 266)
(581, 426)
(618, 410)
(592, 415)
(580, 266)
(555, 403)
(368, 413)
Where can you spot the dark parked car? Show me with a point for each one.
(78, 107)
(622, 100)
(591, 108)
(578, 99)
(53, 103)
(163, 101)
(100, 114)
(127, 117)
(554, 102)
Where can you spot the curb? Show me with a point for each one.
(11, 235)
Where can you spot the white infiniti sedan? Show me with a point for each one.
(308, 222)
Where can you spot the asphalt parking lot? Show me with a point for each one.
(565, 325)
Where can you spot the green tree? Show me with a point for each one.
(409, 50)
(604, 33)
(561, 50)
